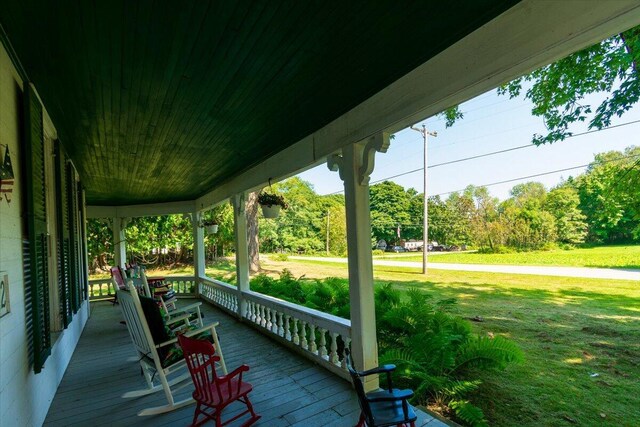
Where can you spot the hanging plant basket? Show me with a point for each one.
(271, 204)
(270, 211)
(211, 229)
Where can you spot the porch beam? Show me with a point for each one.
(132, 211)
(238, 201)
(531, 34)
(355, 164)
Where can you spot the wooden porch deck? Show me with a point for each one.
(288, 389)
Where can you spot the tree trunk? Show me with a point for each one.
(252, 232)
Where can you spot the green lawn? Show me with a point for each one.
(602, 256)
(570, 330)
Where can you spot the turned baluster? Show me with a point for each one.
(304, 343)
(296, 337)
(280, 331)
(322, 351)
(312, 339)
(333, 355)
(274, 321)
(267, 319)
(254, 311)
(287, 330)
(262, 320)
(347, 341)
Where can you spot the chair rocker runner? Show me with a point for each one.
(214, 393)
(163, 368)
(383, 408)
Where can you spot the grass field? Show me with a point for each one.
(602, 256)
(570, 330)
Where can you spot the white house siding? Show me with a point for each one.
(24, 396)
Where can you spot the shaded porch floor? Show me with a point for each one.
(288, 390)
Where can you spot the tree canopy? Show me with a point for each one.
(559, 90)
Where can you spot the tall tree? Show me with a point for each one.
(610, 196)
(253, 232)
(563, 203)
(390, 205)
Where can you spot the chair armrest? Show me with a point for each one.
(394, 395)
(235, 372)
(379, 370)
(186, 307)
(177, 319)
(211, 326)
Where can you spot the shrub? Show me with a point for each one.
(377, 252)
(280, 257)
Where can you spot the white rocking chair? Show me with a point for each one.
(169, 375)
(170, 308)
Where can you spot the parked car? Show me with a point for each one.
(396, 249)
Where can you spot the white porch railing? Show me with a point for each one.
(318, 336)
(100, 289)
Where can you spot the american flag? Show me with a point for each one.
(6, 177)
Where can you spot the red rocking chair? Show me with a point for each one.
(212, 391)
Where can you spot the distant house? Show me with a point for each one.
(414, 245)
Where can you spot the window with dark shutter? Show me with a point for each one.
(84, 273)
(72, 215)
(37, 279)
(63, 238)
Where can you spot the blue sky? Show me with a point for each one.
(491, 123)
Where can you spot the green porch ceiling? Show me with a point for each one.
(159, 101)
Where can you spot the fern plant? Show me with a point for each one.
(434, 349)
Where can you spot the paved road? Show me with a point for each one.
(585, 272)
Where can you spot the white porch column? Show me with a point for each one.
(355, 164)
(119, 244)
(242, 248)
(198, 250)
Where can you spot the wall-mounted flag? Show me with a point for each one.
(6, 176)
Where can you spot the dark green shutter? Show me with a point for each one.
(63, 237)
(84, 283)
(72, 216)
(37, 228)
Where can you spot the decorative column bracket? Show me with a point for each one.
(379, 142)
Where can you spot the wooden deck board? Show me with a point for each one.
(288, 389)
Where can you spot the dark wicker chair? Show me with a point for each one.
(383, 408)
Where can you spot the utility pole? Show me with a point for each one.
(425, 224)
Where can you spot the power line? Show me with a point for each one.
(542, 174)
(520, 147)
